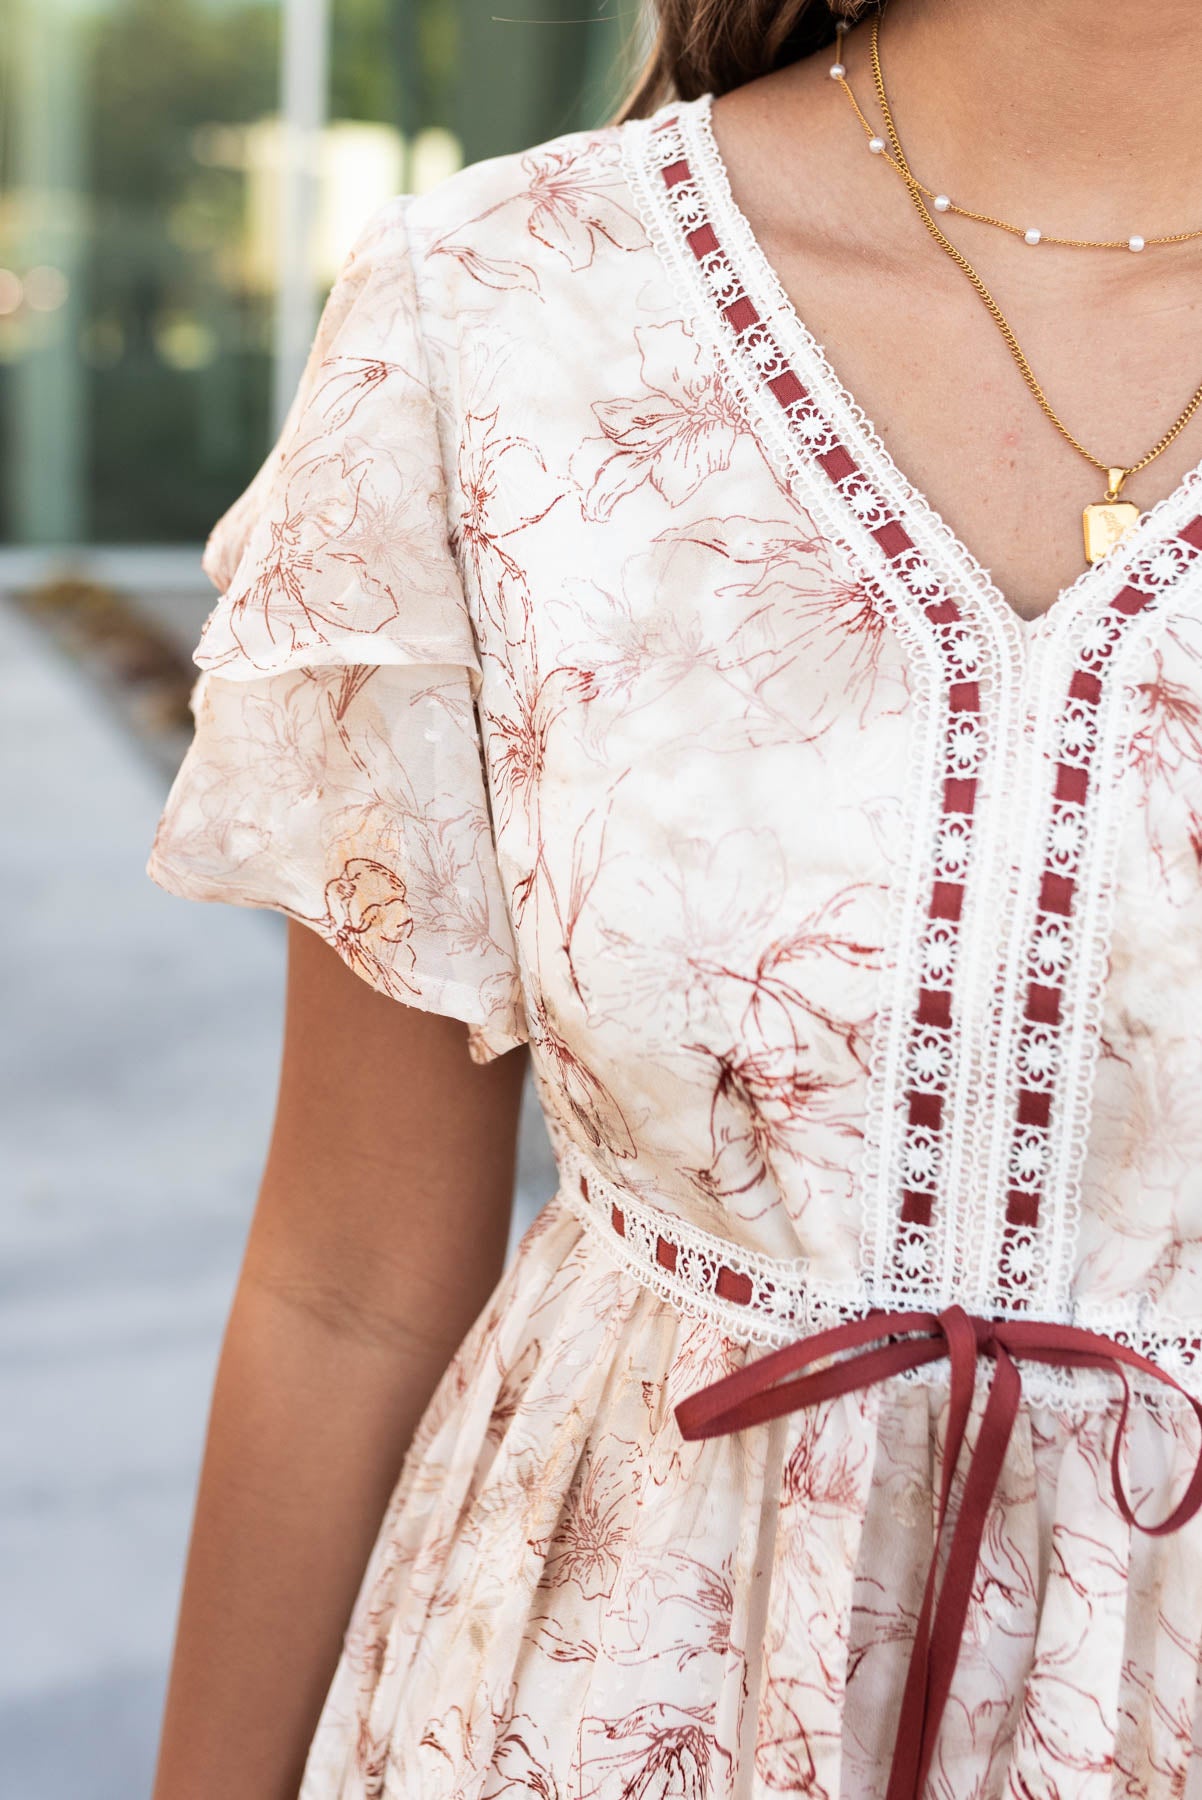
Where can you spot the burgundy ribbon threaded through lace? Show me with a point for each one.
(889, 1343)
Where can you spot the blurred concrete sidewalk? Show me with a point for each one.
(137, 1078)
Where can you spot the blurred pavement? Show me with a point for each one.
(137, 1079)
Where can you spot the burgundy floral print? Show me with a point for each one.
(584, 668)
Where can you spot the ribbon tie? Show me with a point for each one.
(889, 1343)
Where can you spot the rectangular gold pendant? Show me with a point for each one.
(1106, 523)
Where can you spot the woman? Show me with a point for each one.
(587, 672)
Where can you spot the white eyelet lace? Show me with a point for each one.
(979, 1097)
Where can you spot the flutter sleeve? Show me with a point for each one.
(335, 770)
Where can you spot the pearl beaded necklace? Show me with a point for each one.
(1108, 521)
(943, 203)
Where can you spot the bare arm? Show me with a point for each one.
(379, 1233)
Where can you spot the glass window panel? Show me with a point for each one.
(144, 213)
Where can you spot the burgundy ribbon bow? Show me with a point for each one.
(889, 1343)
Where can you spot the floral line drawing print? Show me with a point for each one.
(348, 534)
(571, 200)
(560, 701)
(520, 737)
(1157, 1740)
(591, 1532)
(516, 1376)
(1166, 754)
(740, 665)
(347, 382)
(519, 744)
(558, 1645)
(637, 657)
(680, 430)
(670, 1607)
(306, 589)
(784, 1756)
(819, 1475)
(654, 1751)
(366, 909)
(522, 1762)
(584, 1095)
(588, 860)
(494, 466)
(776, 1086)
(807, 607)
(482, 1750)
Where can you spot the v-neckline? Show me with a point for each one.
(943, 548)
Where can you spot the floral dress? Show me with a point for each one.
(584, 668)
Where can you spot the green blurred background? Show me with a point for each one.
(178, 181)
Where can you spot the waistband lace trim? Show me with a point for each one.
(769, 1301)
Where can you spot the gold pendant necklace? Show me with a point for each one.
(1107, 521)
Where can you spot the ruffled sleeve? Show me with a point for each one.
(335, 772)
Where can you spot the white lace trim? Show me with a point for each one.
(698, 1273)
(1064, 910)
(767, 1302)
(809, 430)
(983, 1153)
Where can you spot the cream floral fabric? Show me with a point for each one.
(584, 668)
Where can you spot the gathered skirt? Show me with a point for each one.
(568, 1600)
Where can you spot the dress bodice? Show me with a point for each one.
(852, 920)
(857, 916)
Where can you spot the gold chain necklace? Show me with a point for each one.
(1030, 234)
(1106, 521)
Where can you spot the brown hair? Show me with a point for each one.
(710, 46)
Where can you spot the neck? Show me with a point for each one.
(1076, 114)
